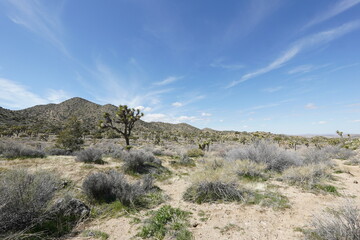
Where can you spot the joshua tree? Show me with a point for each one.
(339, 133)
(125, 119)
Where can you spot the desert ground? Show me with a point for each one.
(215, 220)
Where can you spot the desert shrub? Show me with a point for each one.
(184, 160)
(24, 198)
(14, 150)
(112, 185)
(250, 170)
(71, 137)
(58, 152)
(142, 162)
(167, 221)
(275, 158)
(89, 155)
(316, 156)
(336, 224)
(339, 152)
(307, 176)
(112, 150)
(195, 152)
(212, 191)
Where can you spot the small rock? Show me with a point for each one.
(356, 182)
(195, 225)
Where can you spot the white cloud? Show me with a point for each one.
(144, 109)
(273, 89)
(321, 122)
(160, 117)
(204, 114)
(177, 104)
(334, 10)
(356, 121)
(311, 106)
(16, 96)
(298, 46)
(57, 96)
(168, 80)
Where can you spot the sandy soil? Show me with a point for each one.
(213, 221)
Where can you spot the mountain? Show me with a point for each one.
(52, 116)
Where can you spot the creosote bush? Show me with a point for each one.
(11, 150)
(336, 224)
(112, 185)
(90, 155)
(250, 170)
(167, 222)
(264, 152)
(24, 198)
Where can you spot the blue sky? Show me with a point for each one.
(281, 66)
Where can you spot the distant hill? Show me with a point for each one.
(52, 115)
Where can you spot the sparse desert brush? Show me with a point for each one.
(339, 152)
(195, 152)
(308, 176)
(250, 170)
(111, 150)
(265, 152)
(212, 191)
(167, 222)
(112, 185)
(12, 150)
(24, 198)
(58, 152)
(316, 156)
(90, 155)
(142, 162)
(336, 224)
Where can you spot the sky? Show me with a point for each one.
(280, 66)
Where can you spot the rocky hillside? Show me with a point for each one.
(50, 115)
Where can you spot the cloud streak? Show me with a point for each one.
(334, 10)
(299, 46)
(32, 15)
(168, 80)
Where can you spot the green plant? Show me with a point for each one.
(95, 234)
(167, 221)
(90, 155)
(195, 152)
(125, 119)
(70, 138)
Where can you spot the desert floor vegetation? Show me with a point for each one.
(257, 190)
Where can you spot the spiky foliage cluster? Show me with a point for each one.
(123, 122)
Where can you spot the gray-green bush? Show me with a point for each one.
(274, 157)
(12, 150)
(90, 155)
(142, 162)
(112, 185)
(24, 198)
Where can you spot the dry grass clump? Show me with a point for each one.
(90, 155)
(12, 150)
(250, 170)
(112, 185)
(336, 224)
(217, 182)
(195, 152)
(264, 152)
(308, 176)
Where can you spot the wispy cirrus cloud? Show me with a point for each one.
(17, 96)
(41, 20)
(311, 106)
(299, 46)
(220, 63)
(168, 80)
(334, 10)
(273, 89)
